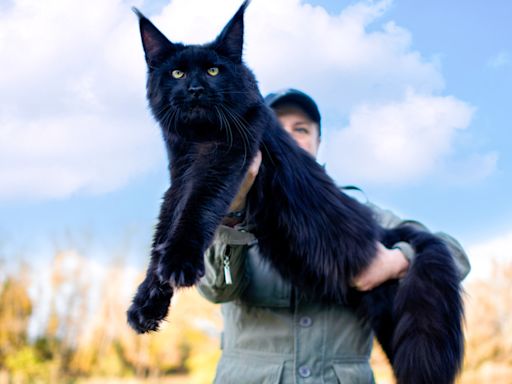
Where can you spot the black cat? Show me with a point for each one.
(214, 120)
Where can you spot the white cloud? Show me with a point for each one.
(483, 254)
(500, 60)
(74, 153)
(73, 118)
(396, 142)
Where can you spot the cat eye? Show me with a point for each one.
(177, 74)
(213, 71)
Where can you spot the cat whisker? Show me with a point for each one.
(230, 92)
(228, 129)
(241, 121)
(243, 131)
(168, 119)
(224, 123)
(176, 125)
(263, 145)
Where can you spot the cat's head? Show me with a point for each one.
(198, 85)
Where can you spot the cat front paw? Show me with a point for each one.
(180, 274)
(149, 306)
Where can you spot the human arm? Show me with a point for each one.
(388, 264)
(393, 263)
(238, 203)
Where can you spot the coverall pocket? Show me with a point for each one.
(237, 370)
(353, 373)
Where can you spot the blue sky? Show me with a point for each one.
(415, 99)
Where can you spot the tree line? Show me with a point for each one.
(60, 325)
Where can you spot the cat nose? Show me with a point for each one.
(196, 90)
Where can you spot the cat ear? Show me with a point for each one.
(230, 41)
(156, 45)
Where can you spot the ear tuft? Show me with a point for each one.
(138, 13)
(156, 46)
(230, 41)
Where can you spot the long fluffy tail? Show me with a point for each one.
(427, 342)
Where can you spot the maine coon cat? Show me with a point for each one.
(213, 122)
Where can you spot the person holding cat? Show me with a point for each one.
(272, 332)
(296, 253)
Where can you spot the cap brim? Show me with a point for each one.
(293, 96)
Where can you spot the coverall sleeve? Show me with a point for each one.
(388, 219)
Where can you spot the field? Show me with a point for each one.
(61, 328)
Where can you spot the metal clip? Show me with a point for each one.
(227, 271)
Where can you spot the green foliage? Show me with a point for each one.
(28, 364)
(80, 344)
(15, 311)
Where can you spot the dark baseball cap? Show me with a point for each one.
(298, 98)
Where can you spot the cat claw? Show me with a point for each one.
(185, 276)
(139, 323)
(178, 280)
(149, 306)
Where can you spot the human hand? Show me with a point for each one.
(238, 202)
(388, 264)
